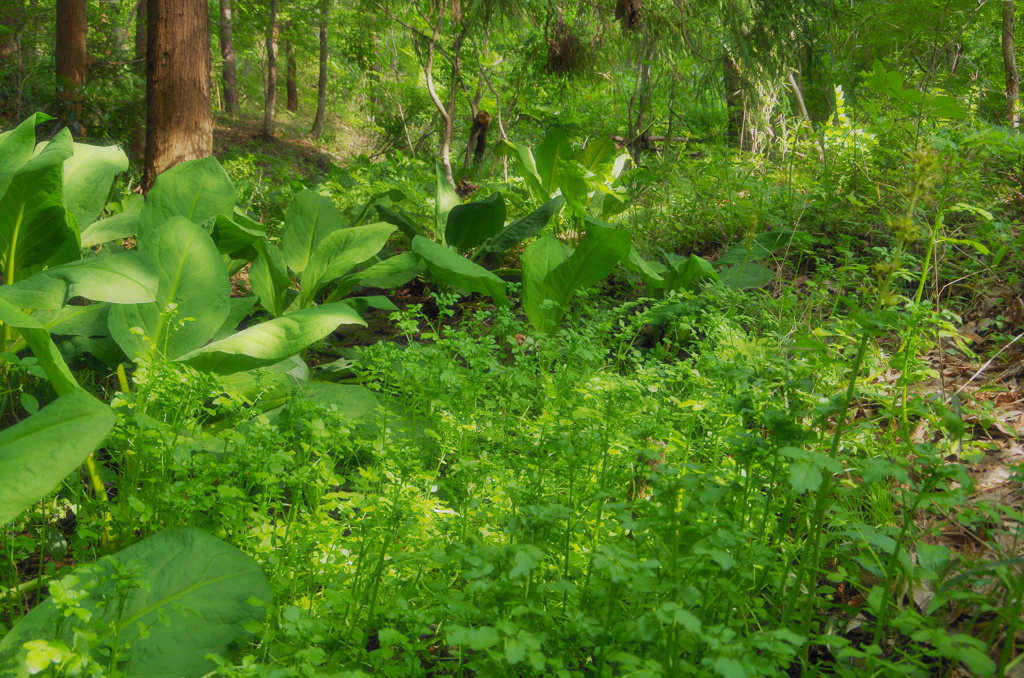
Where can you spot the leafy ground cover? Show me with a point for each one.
(655, 474)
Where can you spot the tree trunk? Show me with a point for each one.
(640, 103)
(734, 101)
(179, 125)
(229, 70)
(138, 144)
(293, 70)
(12, 21)
(270, 96)
(453, 93)
(321, 81)
(1010, 65)
(70, 62)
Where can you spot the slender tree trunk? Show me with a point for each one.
(270, 96)
(321, 81)
(229, 70)
(12, 21)
(453, 93)
(734, 100)
(138, 145)
(70, 62)
(179, 124)
(293, 71)
(1010, 65)
(641, 101)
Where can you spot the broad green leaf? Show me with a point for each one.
(391, 195)
(746, 251)
(730, 668)
(235, 232)
(268, 387)
(455, 270)
(689, 274)
(933, 558)
(475, 638)
(538, 260)
(573, 186)
(116, 227)
(103, 349)
(339, 253)
(391, 272)
(88, 176)
(36, 454)
(745, 276)
(804, 476)
(269, 277)
(555, 148)
(197, 190)
(593, 260)
(522, 158)
(43, 348)
(193, 595)
(33, 224)
(192, 277)
(78, 321)
(527, 227)
(363, 304)
(50, 153)
(271, 342)
(241, 307)
(946, 107)
(650, 271)
(472, 224)
(444, 200)
(16, 147)
(773, 241)
(36, 292)
(401, 219)
(122, 278)
(349, 399)
(310, 218)
(599, 155)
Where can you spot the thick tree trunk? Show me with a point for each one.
(70, 62)
(138, 145)
(293, 72)
(179, 125)
(270, 96)
(321, 81)
(1010, 65)
(229, 70)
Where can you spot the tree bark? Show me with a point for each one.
(640, 104)
(270, 96)
(12, 21)
(70, 62)
(229, 70)
(179, 124)
(734, 101)
(138, 144)
(1010, 65)
(293, 71)
(321, 81)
